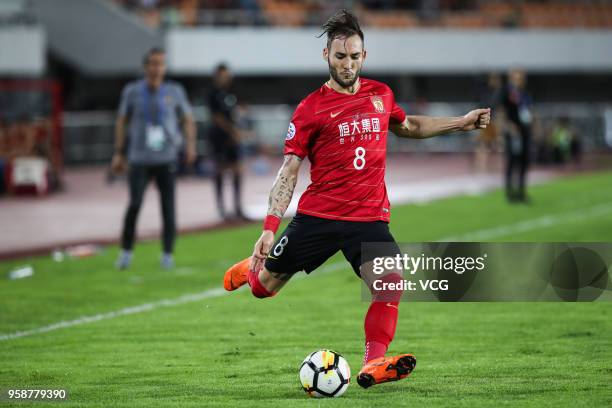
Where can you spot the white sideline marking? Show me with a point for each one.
(533, 224)
(480, 235)
(145, 307)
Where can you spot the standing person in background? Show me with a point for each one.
(151, 111)
(225, 138)
(517, 106)
(487, 137)
(562, 137)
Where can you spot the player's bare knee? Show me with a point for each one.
(273, 281)
(385, 286)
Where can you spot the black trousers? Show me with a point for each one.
(138, 178)
(517, 164)
(226, 153)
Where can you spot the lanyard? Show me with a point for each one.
(159, 96)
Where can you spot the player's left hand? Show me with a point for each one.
(261, 250)
(477, 119)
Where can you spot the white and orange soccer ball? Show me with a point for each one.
(325, 373)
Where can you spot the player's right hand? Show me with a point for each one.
(118, 164)
(261, 250)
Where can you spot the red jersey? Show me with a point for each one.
(345, 139)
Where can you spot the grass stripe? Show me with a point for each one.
(145, 307)
(533, 224)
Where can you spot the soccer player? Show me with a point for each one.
(342, 127)
(225, 139)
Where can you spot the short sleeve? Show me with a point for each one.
(300, 132)
(397, 113)
(125, 107)
(182, 101)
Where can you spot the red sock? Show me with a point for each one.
(374, 349)
(381, 320)
(380, 323)
(257, 289)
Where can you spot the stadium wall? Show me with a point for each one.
(22, 50)
(257, 51)
(104, 40)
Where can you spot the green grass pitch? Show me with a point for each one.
(235, 350)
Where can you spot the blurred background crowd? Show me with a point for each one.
(65, 62)
(375, 13)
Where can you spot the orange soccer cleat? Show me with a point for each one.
(237, 275)
(385, 369)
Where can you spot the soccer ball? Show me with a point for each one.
(325, 373)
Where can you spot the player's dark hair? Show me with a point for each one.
(343, 24)
(150, 52)
(221, 67)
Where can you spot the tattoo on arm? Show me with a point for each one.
(282, 190)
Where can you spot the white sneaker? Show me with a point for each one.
(167, 261)
(124, 260)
